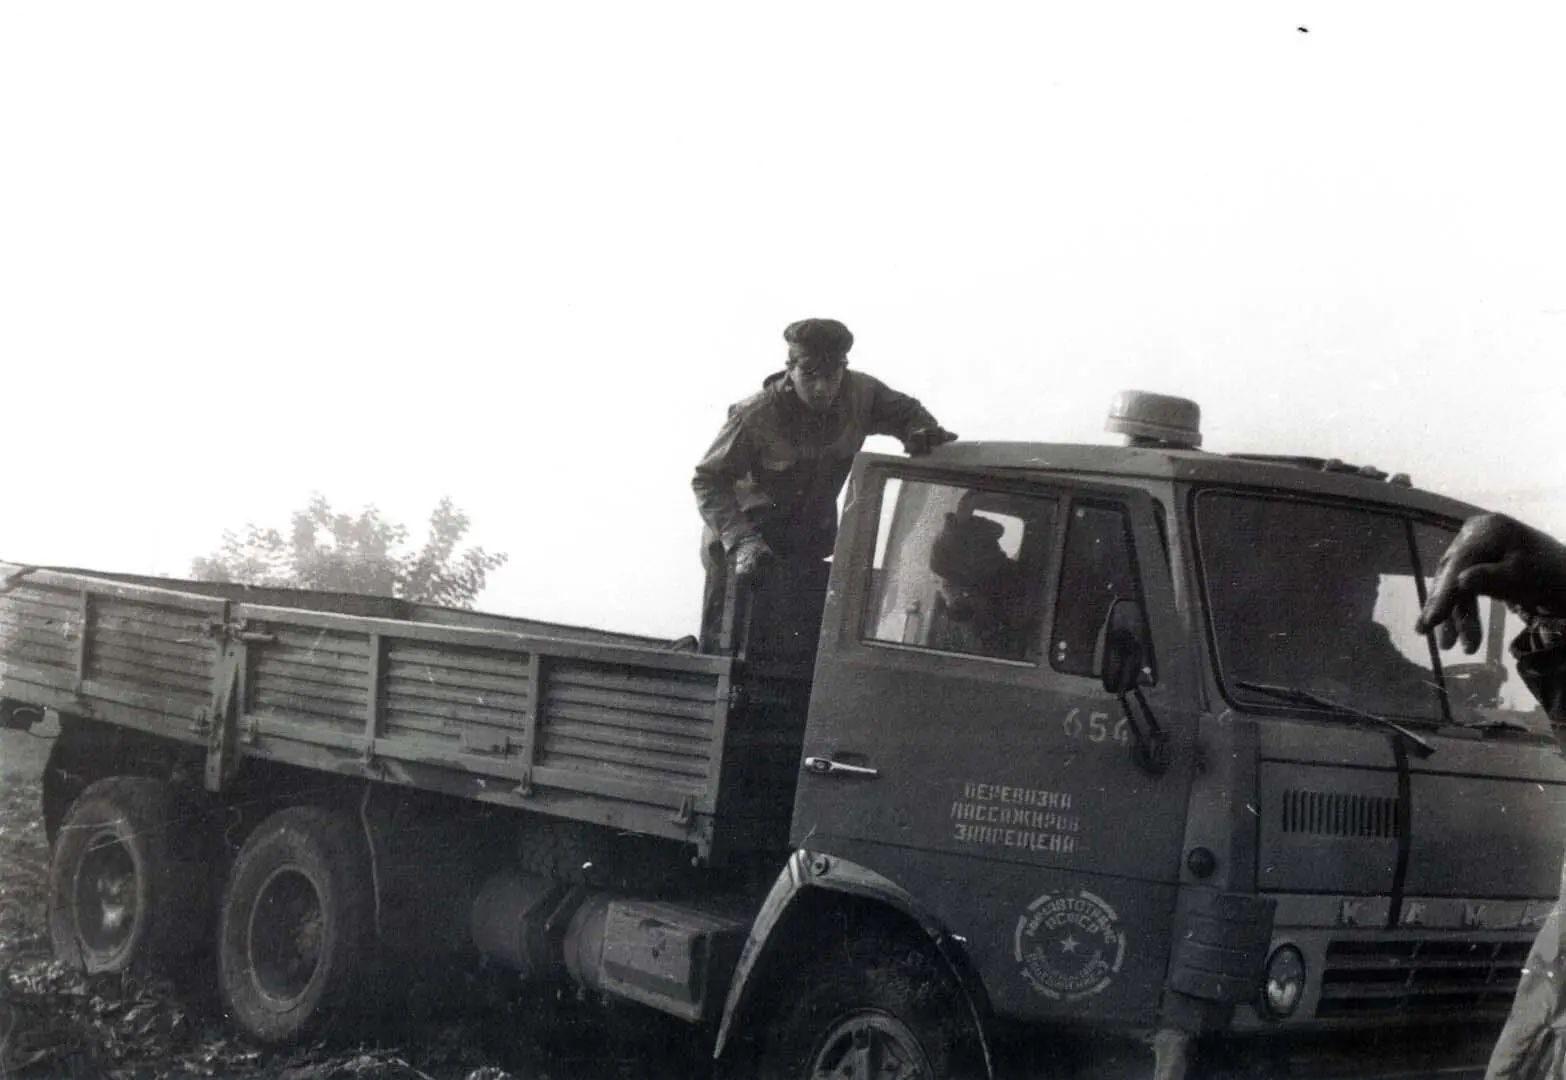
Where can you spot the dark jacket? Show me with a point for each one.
(1532, 1046)
(776, 468)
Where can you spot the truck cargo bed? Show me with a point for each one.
(609, 728)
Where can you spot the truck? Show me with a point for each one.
(1135, 739)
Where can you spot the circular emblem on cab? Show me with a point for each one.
(1070, 946)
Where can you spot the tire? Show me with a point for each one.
(120, 897)
(297, 924)
(890, 1004)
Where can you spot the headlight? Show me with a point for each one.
(1284, 984)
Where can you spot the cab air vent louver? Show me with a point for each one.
(1326, 813)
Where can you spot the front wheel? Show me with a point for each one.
(872, 1007)
(297, 923)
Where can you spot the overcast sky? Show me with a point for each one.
(526, 254)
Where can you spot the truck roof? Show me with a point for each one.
(1295, 474)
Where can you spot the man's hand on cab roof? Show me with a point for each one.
(921, 441)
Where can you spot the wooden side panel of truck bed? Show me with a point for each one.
(619, 734)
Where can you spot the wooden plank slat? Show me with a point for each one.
(426, 750)
(429, 675)
(25, 653)
(700, 687)
(599, 754)
(465, 734)
(179, 650)
(309, 640)
(31, 596)
(41, 686)
(695, 749)
(271, 725)
(273, 667)
(178, 706)
(22, 620)
(624, 701)
(132, 658)
(663, 793)
(22, 614)
(284, 659)
(397, 712)
(410, 691)
(160, 595)
(395, 723)
(39, 637)
(350, 697)
(139, 674)
(140, 619)
(628, 721)
(326, 710)
(456, 659)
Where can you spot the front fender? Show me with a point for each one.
(807, 871)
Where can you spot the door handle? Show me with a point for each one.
(825, 766)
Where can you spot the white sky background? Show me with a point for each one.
(526, 255)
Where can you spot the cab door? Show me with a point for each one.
(980, 765)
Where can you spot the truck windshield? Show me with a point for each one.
(1322, 598)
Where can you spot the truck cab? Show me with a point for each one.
(1290, 812)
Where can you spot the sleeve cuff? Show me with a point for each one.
(1542, 666)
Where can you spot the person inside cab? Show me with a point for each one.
(1361, 657)
(982, 605)
(767, 488)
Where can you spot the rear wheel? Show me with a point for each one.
(120, 897)
(297, 923)
(873, 1007)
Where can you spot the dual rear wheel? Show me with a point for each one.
(129, 893)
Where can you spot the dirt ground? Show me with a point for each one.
(54, 1022)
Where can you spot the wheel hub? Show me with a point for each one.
(870, 1046)
(104, 893)
(287, 928)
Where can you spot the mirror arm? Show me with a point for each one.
(1149, 746)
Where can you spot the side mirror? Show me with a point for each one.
(1118, 655)
(1120, 667)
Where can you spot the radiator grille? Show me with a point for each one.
(1336, 813)
(1420, 979)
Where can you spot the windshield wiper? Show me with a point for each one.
(1305, 697)
(1495, 723)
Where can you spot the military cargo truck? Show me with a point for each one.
(1135, 739)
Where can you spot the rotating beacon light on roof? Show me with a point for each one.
(1147, 419)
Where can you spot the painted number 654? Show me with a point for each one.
(1096, 728)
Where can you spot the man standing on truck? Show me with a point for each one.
(767, 488)
(1496, 556)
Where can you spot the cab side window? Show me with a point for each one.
(1097, 569)
(960, 569)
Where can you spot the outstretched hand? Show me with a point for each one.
(1497, 556)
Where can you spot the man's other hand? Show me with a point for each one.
(750, 555)
(1496, 556)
